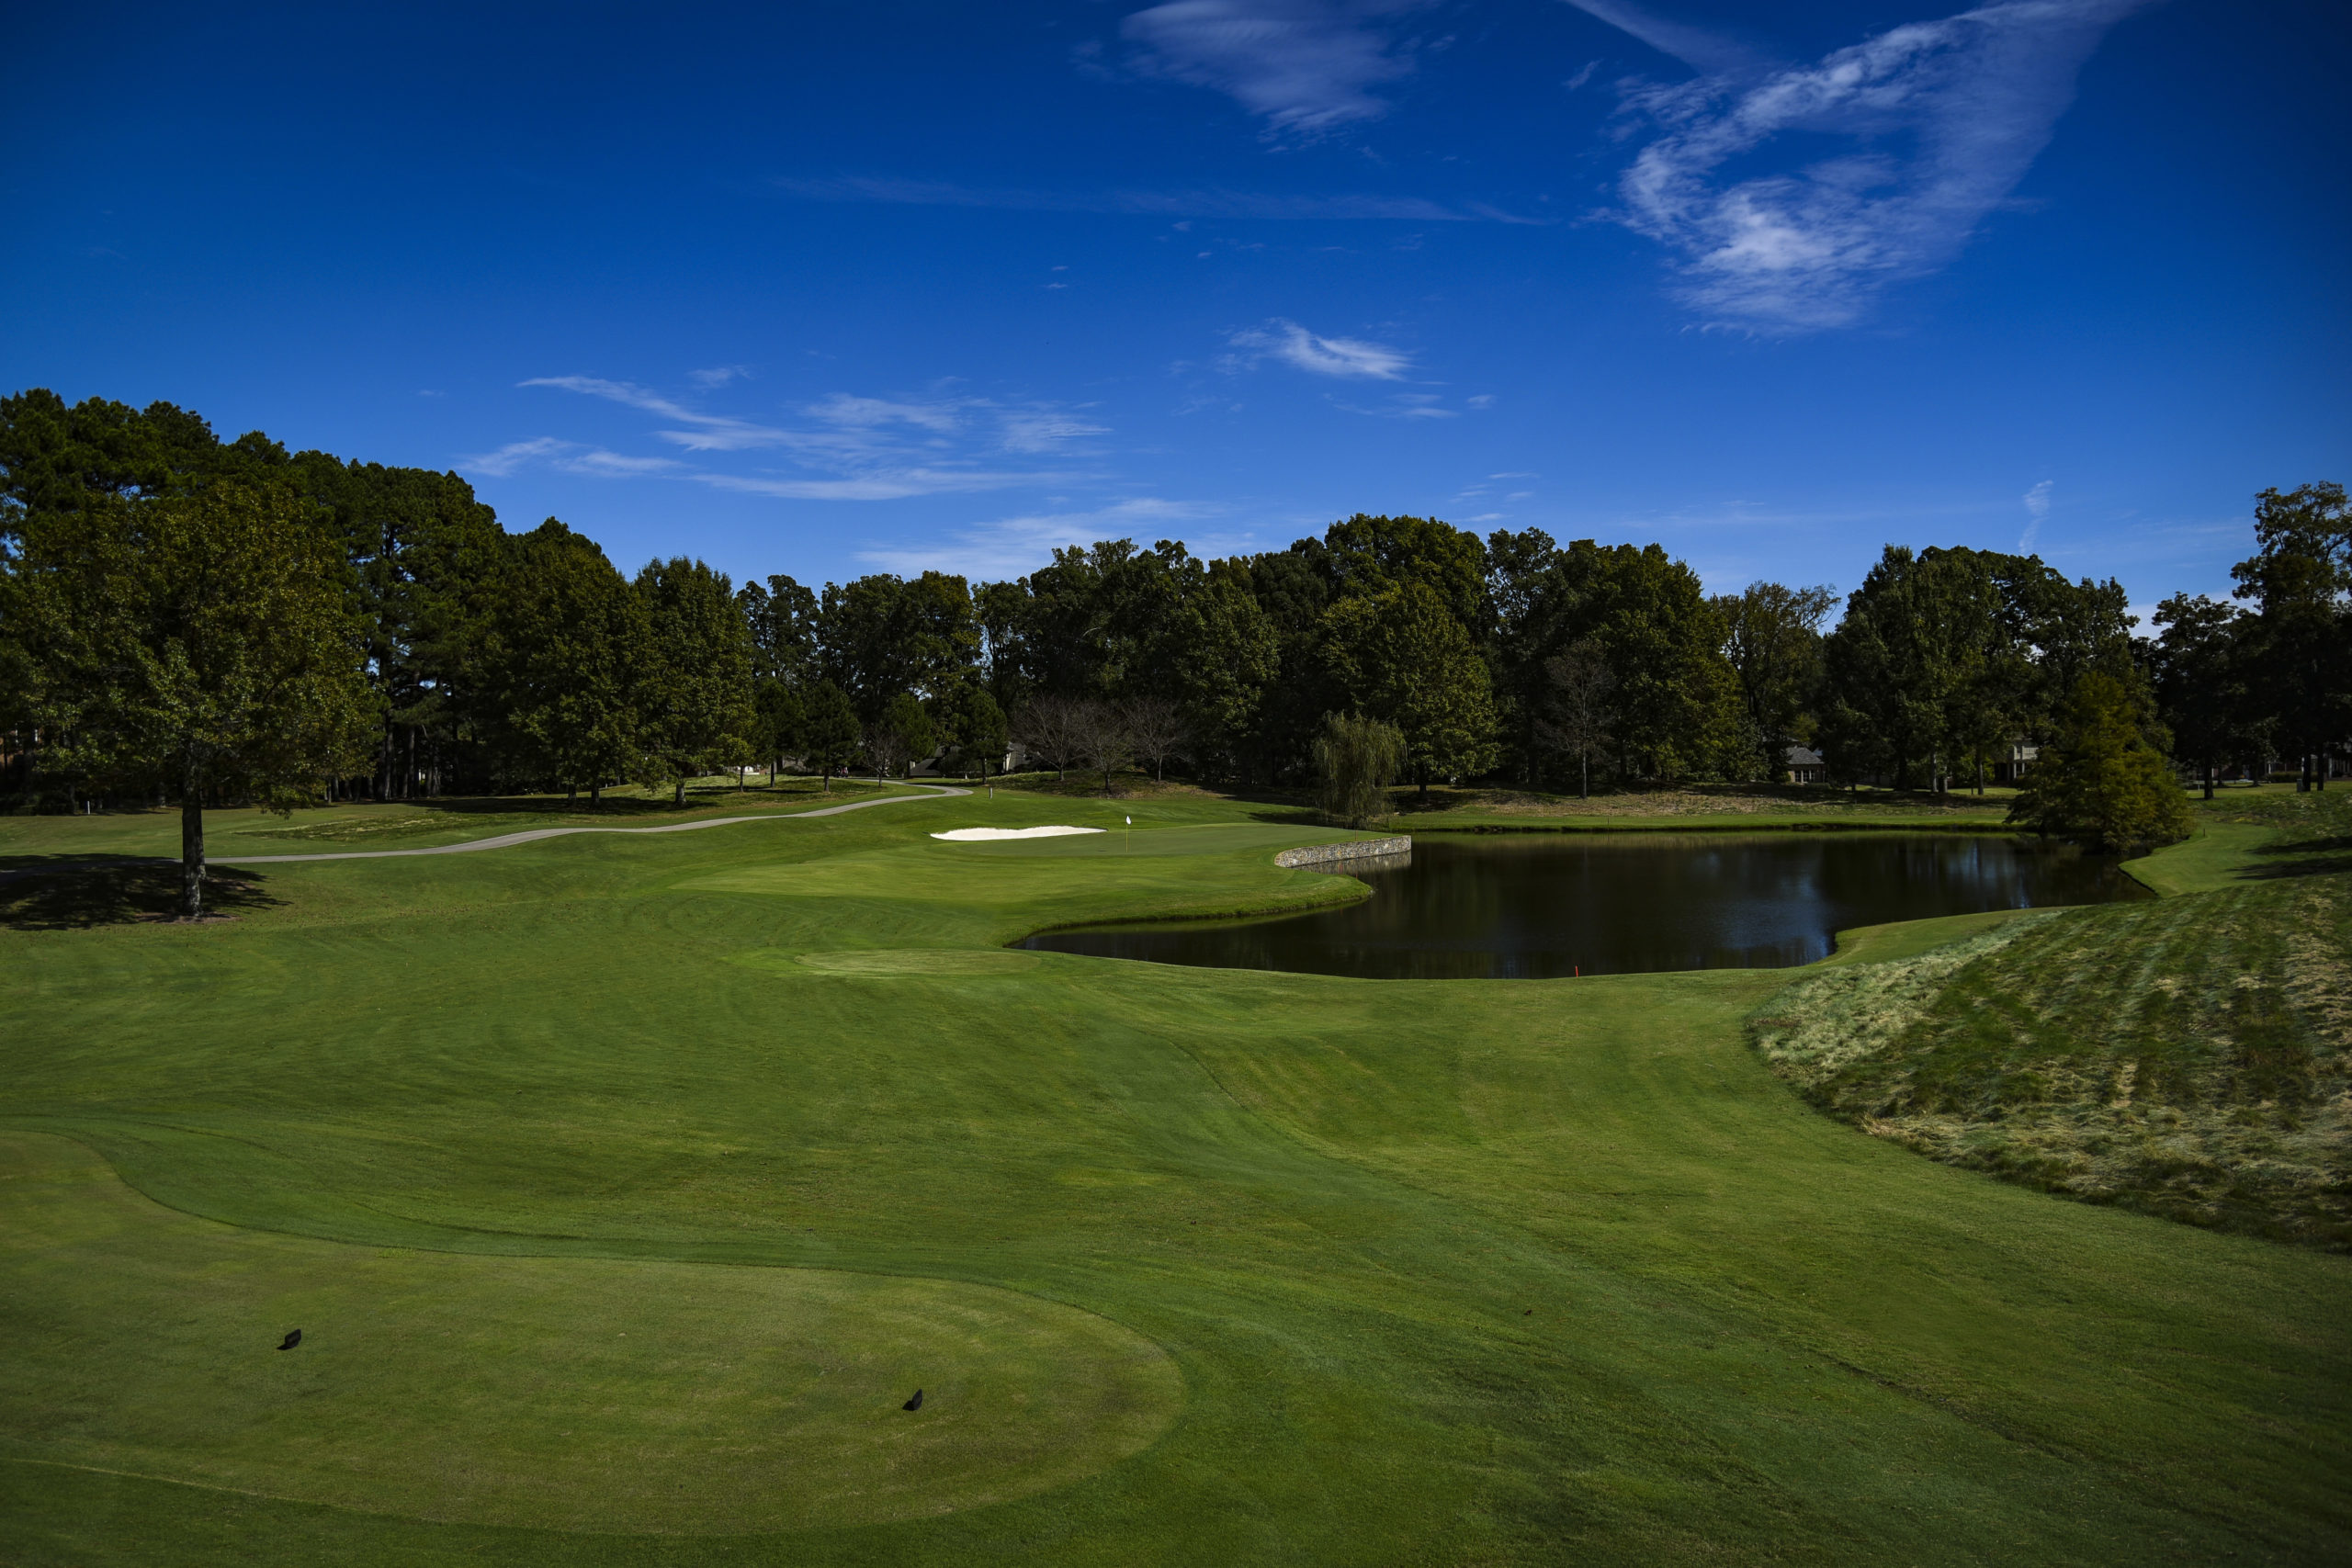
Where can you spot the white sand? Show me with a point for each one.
(966, 835)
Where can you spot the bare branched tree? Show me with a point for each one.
(1157, 728)
(1103, 742)
(1051, 729)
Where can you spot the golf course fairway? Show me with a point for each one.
(1194, 1265)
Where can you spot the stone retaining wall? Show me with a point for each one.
(1316, 855)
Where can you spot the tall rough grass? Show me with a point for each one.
(2190, 1058)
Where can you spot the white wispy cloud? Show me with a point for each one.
(2035, 503)
(1296, 347)
(1306, 66)
(1009, 547)
(1405, 405)
(568, 457)
(718, 375)
(1941, 119)
(1702, 48)
(884, 484)
(843, 447)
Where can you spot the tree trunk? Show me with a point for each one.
(825, 777)
(192, 850)
(679, 797)
(2208, 781)
(596, 797)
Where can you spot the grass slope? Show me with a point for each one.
(1449, 1273)
(2190, 1058)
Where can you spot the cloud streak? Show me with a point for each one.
(1011, 546)
(1941, 119)
(2035, 503)
(842, 446)
(1307, 67)
(1347, 357)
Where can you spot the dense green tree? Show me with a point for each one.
(1222, 655)
(1293, 589)
(203, 642)
(1368, 556)
(831, 733)
(779, 715)
(2300, 582)
(900, 736)
(1534, 605)
(1772, 640)
(1400, 656)
(563, 657)
(54, 457)
(2201, 667)
(1906, 669)
(425, 557)
(1002, 610)
(695, 709)
(1674, 699)
(2101, 781)
(782, 616)
(882, 635)
(1356, 759)
(982, 730)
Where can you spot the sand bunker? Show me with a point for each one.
(967, 835)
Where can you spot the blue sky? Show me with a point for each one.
(828, 289)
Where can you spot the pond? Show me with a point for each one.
(1536, 907)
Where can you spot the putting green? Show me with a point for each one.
(593, 1394)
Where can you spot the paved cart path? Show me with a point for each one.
(503, 840)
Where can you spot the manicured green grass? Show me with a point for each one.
(621, 1395)
(1457, 1272)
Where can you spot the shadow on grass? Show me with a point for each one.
(71, 893)
(2307, 857)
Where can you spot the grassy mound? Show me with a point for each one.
(2190, 1058)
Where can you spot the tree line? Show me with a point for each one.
(185, 618)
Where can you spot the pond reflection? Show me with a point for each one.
(1537, 907)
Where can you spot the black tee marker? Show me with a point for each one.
(914, 1404)
(292, 1340)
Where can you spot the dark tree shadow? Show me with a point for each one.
(2307, 857)
(73, 893)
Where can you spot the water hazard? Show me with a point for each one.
(1530, 907)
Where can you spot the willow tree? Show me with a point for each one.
(199, 642)
(1356, 760)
